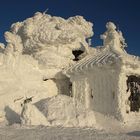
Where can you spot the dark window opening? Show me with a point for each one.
(27, 100)
(92, 93)
(70, 89)
(127, 111)
(133, 85)
(77, 53)
(45, 79)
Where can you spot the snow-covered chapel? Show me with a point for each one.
(49, 66)
(109, 80)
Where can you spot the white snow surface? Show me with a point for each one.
(61, 133)
(68, 122)
(30, 115)
(38, 48)
(51, 39)
(111, 130)
(64, 111)
(31, 65)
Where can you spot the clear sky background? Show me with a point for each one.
(125, 13)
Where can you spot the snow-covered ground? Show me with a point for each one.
(107, 129)
(60, 133)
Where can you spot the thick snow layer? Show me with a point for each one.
(30, 115)
(112, 131)
(21, 78)
(62, 110)
(31, 62)
(42, 30)
(60, 133)
(50, 39)
(110, 128)
(32, 65)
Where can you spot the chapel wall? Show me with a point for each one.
(103, 85)
(79, 88)
(127, 115)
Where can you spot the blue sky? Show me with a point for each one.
(125, 13)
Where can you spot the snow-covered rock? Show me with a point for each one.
(37, 51)
(51, 39)
(62, 110)
(30, 115)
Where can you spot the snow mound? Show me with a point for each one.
(49, 39)
(63, 110)
(30, 115)
(34, 55)
(43, 30)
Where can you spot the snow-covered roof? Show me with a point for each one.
(104, 57)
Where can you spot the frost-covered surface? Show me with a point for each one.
(108, 129)
(103, 76)
(37, 50)
(60, 133)
(30, 115)
(39, 70)
(51, 39)
(65, 111)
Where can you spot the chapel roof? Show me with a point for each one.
(102, 58)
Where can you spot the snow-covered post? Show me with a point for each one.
(30, 115)
(113, 39)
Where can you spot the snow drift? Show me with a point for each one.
(62, 110)
(49, 38)
(37, 51)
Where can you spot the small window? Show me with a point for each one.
(45, 79)
(77, 53)
(133, 86)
